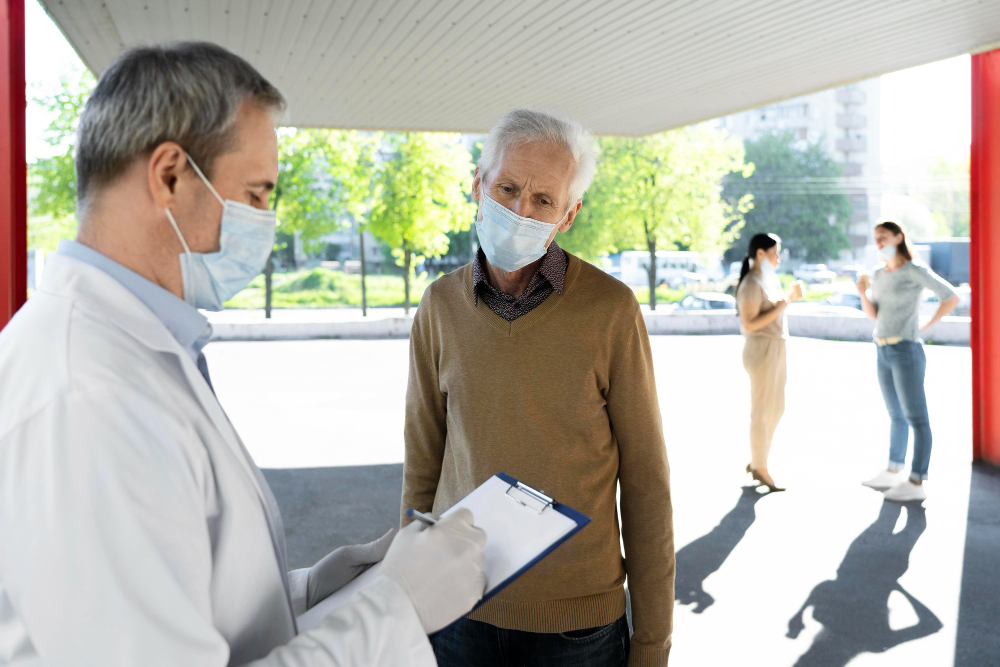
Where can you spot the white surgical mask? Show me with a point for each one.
(767, 268)
(887, 252)
(509, 240)
(246, 238)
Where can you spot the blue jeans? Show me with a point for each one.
(473, 643)
(901, 376)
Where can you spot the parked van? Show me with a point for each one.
(674, 268)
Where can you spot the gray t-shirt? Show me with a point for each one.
(897, 294)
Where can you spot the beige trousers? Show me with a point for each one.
(764, 361)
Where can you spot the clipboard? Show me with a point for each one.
(523, 525)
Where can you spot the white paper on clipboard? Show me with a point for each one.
(520, 529)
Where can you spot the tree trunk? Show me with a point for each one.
(268, 273)
(407, 259)
(269, 267)
(364, 296)
(651, 244)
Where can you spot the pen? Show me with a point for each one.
(420, 516)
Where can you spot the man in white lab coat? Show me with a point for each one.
(135, 528)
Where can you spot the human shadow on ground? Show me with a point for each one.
(978, 642)
(854, 607)
(700, 558)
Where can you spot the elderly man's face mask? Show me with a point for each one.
(509, 240)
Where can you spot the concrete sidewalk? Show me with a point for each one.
(807, 320)
(823, 574)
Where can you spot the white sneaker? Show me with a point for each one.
(884, 480)
(905, 492)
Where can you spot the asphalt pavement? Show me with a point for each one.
(823, 574)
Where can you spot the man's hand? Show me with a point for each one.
(342, 565)
(440, 568)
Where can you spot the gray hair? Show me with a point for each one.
(522, 126)
(188, 92)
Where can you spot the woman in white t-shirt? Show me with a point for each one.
(761, 303)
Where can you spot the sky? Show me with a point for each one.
(925, 111)
(47, 57)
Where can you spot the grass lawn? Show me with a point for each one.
(663, 294)
(322, 288)
(819, 291)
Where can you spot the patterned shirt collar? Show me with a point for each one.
(552, 269)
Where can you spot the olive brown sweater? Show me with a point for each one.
(564, 399)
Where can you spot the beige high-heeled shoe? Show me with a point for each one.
(770, 487)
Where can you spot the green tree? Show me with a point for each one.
(325, 177)
(797, 195)
(662, 192)
(52, 180)
(422, 197)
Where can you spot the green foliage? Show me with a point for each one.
(421, 197)
(322, 288)
(663, 294)
(52, 180)
(795, 192)
(324, 178)
(661, 190)
(422, 194)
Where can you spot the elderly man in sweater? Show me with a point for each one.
(533, 362)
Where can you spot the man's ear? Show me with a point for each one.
(571, 216)
(476, 181)
(166, 164)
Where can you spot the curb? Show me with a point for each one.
(390, 327)
(950, 331)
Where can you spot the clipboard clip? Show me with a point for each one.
(529, 497)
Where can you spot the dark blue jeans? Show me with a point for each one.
(474, 644)
(901, 370)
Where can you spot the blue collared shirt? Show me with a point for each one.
(191, 329)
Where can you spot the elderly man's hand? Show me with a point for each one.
(342, 565)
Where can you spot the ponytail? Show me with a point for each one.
(758, 242)
(744, 270)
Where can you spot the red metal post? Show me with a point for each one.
(984, 256)
(13, 169)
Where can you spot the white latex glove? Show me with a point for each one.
(440, 567)
(342, 565)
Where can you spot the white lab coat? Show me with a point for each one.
(133, 529)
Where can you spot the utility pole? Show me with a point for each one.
(364, 297)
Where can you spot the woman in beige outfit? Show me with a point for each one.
(761, 303)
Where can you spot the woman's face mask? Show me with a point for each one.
(766, 267)
(887, 252)
(246, 238)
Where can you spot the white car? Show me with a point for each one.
(685, 279)
(707, 301)
(814, 273)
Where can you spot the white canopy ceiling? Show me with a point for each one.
(626, 67)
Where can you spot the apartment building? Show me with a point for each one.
(846, 121)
